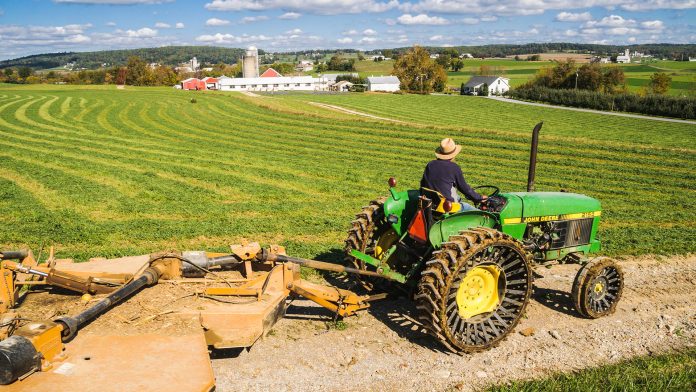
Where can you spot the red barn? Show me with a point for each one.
(210, 83)
(271, 73)
(193, 84)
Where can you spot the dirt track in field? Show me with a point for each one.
(383, 349)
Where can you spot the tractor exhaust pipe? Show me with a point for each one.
(533, 156)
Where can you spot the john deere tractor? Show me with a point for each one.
(470, 272)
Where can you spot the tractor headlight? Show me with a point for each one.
(393, 219)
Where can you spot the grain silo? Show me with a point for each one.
(250, 64)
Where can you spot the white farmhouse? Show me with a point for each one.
(496, 85)
(383, 83)
(626, 58)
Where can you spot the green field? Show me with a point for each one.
(102, 171)
(666, 372)
(683, 73)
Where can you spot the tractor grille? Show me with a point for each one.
(572, 233)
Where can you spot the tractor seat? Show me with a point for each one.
(438, 200)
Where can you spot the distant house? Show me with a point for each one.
(383, 83)
(496, 85)
(304, 66)
(626, 58)
(331, 78)
(270, 73)
(342, 86)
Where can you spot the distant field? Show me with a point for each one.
(683, 74)
(101, 171)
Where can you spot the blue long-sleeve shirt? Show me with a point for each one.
(446, 177)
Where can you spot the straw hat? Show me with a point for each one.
(448, 149)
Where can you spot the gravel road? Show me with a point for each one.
(383, 349)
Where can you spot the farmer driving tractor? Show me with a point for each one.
(444, 176)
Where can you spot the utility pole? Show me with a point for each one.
(576, 80)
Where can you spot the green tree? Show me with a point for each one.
(461, 89)
(388, 53)
(589, 77)
(418, 72)
(8, 72)
(659, 83)
(457, 64)
(613, 80)
(444, 60)
(137, 72)
(25, 72)
(361, 57)
(484, 90)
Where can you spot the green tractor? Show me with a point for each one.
(471, 272)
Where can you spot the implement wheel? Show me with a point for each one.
(597, 288)
(474, 291)
(369, 226)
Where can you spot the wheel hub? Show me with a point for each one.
(598, 288)
(478, 291)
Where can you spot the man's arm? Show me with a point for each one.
(464, 187)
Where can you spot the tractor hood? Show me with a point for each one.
(543, 206)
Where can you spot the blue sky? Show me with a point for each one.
(39, 26)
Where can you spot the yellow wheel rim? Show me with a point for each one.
(478, 291)
(386, 241)
(598, 288)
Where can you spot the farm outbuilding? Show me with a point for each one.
(193, 84)
(270, 73)
(496, 85)
(342, 86)
(210, 83)
(285, 83)
(383, 83)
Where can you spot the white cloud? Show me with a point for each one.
(570, 33)
(350, 32)
(345, 40)
(535, 7)
(162, 25)
(217, 22)
(252, 19)
(78, 39)
(573, 17)
(652, 25)
(179, 25)
(631, 39)
(489, 18)
(470, 21)
(231, 39)
(367, 40)
(111, 24)
(436, 38)
(310, 6)
(421, 19)
(145, 32)
(113, 2)
(294, 31)
(290, 15)
(611, 21)
(369, 32)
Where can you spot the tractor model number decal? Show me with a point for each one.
(548, 218)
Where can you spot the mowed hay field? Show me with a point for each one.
(99, 171)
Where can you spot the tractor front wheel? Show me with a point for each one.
(474, 291)
(597, 288)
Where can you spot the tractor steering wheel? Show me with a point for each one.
(496, 190)
(482, 205)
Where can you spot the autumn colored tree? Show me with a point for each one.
(589, 77)
(419, 73)
(659, 83)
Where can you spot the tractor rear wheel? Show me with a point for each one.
(474, 291)
(369, 226)
(597, 288)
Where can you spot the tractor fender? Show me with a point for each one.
(453, 224)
